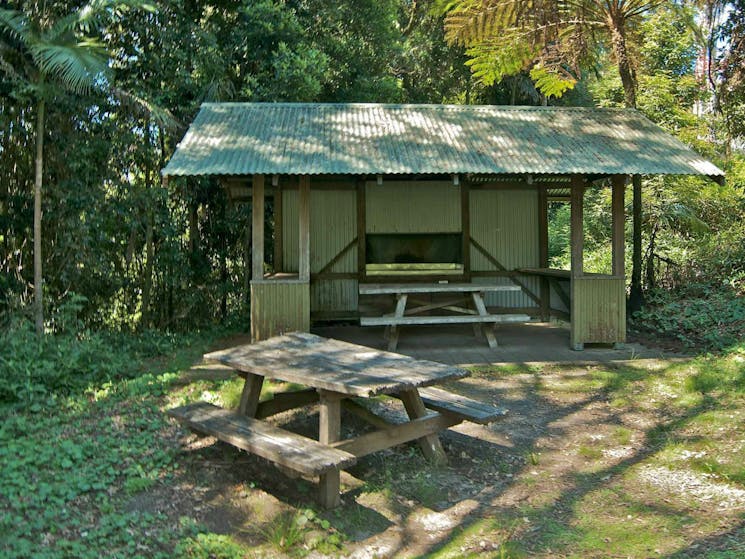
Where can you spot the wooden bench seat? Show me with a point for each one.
(277, 445)
(462, 407)
(450, 319)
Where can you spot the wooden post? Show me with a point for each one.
(545, 290)
(619, 248)
(577, 249)
(249, 402)
(247, 264)
(361, 231)
(278, 263)
(465, 225)
(304, 227)
(636, 295)
(618, 234)
(257, 221)
(577, 233)
(430, 444)
(329, 431)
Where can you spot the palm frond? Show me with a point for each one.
(89, 17)
(14, 23)
(472, 21)
(162, 116)
(75, 65)
(6, 67)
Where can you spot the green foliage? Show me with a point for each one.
(73, 466)
(668, 43)
(503, 38)
(698, 315)
(551, 84)
(36, 372)
(209, 546)
(62, 474)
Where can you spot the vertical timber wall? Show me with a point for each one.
(333, 226)
(598, 310)
(505, 223)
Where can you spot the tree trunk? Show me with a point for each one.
(636, 296)
(147, 280)
(651, 276)
(39, 170)
(628, 80)
(625, 70)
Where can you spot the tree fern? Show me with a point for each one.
(552, 39)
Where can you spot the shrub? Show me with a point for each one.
(704, 316)
(33, 369)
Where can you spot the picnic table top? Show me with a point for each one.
(334, 365)
(385, 288)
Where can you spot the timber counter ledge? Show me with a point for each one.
(337, 374)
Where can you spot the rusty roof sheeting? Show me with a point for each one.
(365, 139)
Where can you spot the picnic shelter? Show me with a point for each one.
(367, 197)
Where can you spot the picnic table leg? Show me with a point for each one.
(400, 309)
(250, 396)
(430, 444)
(329, 431)
(478, 302)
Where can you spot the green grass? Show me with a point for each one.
(623, 435)
(589, 452)
(506, 369)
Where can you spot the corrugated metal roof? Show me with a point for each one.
(363, 139)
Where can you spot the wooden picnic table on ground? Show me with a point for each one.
(465, 307)
(334, 373)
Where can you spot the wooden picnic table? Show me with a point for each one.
(336, 375)
(466, 306)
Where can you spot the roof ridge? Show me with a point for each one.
(410, 106)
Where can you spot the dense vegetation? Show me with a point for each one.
(118, 82)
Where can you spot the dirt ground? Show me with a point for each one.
(575, 469)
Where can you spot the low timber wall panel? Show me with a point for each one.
(278, 307)
(598, 310)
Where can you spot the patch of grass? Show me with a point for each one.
(230, 392)
(210, 546)
(623, 435)
(490, 538)
(286, 531)
(609, 523)
(355, 521)
(299, 532)
(589, 452)
(138, 484)
(506, 369)
(594, 381)
(425, 489)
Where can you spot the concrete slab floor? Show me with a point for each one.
(531, 343)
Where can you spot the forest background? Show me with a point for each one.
(132, 265)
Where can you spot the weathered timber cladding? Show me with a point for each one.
(413, 207)
(598, 310)
(505, 223)
(333, 225)
(279, 306)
